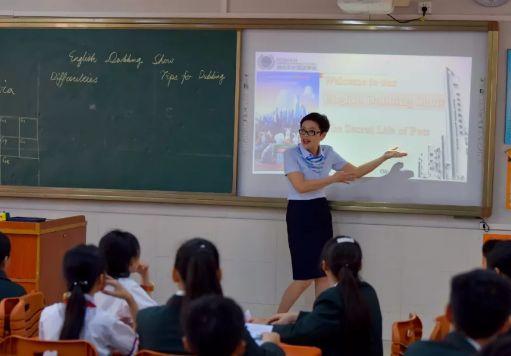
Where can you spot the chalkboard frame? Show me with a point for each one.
(56, 24)
(231, 199)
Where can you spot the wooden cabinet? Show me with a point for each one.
(37, 250)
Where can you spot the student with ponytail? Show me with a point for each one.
(197, 269)
(78, 317)
(196, 273)
(346, 318)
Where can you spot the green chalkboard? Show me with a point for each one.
(138, 109)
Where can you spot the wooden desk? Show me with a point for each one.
(37, 250)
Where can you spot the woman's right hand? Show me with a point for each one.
(343, 177)
(283, 319)
(118, 290)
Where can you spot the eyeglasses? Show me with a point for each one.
(308, 132)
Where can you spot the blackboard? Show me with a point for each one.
(131, 109)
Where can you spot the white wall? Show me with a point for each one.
(236, 8)
(409, 259)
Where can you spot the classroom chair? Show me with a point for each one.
(18, 345)
(441, 329)
(6, 307)
(151, 353)
(289, 350)
(21, 315)
(405, 333)
(294, 350)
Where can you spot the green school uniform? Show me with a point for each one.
(454, 344)
(323, 327)
(9, 289)
(159, 329)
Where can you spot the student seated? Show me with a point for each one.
(8, 289)
(78, 317)
(499, 258)
(500, 347)
(214, 326)
(479, 307)
(346, 318)
(197, 273)
(122, 253)
(488, 247)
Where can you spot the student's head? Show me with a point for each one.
(499, 258)
(122, 252)
(197, 268)
(5, 250)
(480, 303)
(342, 261)
(83, 268)
(342, 258)
(500, 347)
(488, 247)
(214, 326)
(313, 129)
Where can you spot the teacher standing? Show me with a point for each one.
(309, 222)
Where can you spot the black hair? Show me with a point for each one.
(198, 264)
(119, 248)
(213, 325)
(500, 347)
(489, 246)
(82, 267)
(500, 257)
(344, 260)
(480, 301)
(320, 119)
(5, 248)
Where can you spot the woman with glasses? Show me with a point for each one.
(309, 222)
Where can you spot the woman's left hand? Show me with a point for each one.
(143, 270)
(271, 337)
(394, 153)
(263, 321)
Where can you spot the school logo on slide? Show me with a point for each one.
(266, 61)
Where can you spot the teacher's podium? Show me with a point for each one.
(37, 250)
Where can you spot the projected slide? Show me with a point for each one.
(374, 102)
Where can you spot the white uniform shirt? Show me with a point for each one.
(103, 330)
(119, 307)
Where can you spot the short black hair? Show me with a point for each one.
(489, 246)
(500, 347)
(320, 119)
(119, 248)
(480, 302)
(5, 247)
(213, 325)
(500, 257)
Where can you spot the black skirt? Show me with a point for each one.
(309, 227)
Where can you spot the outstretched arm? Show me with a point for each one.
(303, 185)
(368, 167)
